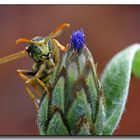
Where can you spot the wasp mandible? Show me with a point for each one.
(45, 53)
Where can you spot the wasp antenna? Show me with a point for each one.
(27, 41)
(23, 40)
(61, 27)
(13, 57)
(58, 29)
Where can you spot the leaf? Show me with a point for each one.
(84, 130)
(58, 94)
(136, 65)
(115, 81)
(79, 109)
(43, 115)
(60, 129)
(100, 118)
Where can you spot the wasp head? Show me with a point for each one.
(40, 48)
(37, 49)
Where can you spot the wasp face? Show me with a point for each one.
(39, 51)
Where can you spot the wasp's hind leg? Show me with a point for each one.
(22, 74)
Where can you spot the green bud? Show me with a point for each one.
(75, 98)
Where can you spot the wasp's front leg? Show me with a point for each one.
(57, 44)
(36, 79)
(56, 50)
(22, 74)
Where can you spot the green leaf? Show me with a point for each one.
(82, 63)
(80, 109)
(43, 115)
(72, 75)
(136, 65)
(84, 130)
(58, 94)
(100, 118)
(60, 129)
(93, 94)
(115, 81)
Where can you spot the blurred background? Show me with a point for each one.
(108, 29)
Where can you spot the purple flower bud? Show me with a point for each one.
(77, 40)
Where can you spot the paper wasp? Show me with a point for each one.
(45, 53)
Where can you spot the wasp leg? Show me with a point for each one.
(62, 48)
(36, 79)
(25, 78)
(43, 86)
(34, 99)
(22, 74)
(56, 55)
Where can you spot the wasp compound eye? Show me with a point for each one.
(34, 49)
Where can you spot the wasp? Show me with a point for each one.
(45, 53)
